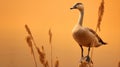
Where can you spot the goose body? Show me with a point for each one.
(83, 36)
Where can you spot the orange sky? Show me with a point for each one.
(41, 15)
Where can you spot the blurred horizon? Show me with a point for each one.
(40, 15)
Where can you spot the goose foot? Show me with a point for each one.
(88, 59)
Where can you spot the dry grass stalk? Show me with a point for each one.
(57, 63)
(119, 64)
(29, 42)
(28, 30)
(50, 36)
(50, 41)
(42, 55)
(100, 14)
(30, 34)
(46, 64)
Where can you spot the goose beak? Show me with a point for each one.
(73, 7)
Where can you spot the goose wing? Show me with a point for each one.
(99, 39)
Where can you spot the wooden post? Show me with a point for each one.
(85, 63)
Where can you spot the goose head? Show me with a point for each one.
(78, 6)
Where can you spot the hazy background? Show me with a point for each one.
(41, 15)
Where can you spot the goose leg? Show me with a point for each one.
(81, 50)
(88, 51)
(88, 57)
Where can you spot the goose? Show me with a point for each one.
(85, 36)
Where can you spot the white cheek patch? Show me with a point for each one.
(80, 6)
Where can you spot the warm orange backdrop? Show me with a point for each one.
(41, 15)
